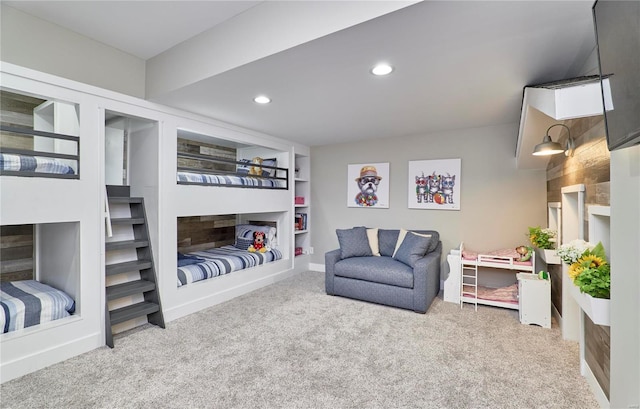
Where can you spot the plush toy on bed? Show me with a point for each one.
(256, 169)
(258, 243)
(525, 253)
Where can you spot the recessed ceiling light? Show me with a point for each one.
(262, 99)
(382, 69)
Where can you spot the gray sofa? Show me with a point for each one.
(408, 279)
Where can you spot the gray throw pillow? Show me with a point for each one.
(353, 242)
(387, 241)
(412, 249)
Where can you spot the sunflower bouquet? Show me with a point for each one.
(542, 238)
(588, 267)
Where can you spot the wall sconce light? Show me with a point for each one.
(548, 147)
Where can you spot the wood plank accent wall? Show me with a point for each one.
(590, 166)
(201, 148)
(17, 110)
(597, 352)
(204, 232)
(16, 252)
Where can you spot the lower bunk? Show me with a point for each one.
(239, 247)
(27, 303)
(206, 264)
(221, 257)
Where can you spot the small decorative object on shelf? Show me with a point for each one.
(591, 273)
(300, 221)
(298, 251)
(299, 200)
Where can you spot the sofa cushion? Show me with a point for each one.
(387, 241)
(383, 270)
(353, 242)
(413, 247)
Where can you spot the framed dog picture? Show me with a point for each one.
(368, 185)
(434, 184)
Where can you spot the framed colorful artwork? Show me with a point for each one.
(434, 184)
(368, 185)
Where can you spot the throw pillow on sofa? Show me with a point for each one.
(353, 242)
(372, 235)
(413, 247)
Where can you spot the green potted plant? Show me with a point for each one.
(545, 240)
(591, 274)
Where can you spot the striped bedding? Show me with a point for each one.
(222, 260)
(27, 163)
(229, 180)
(27, 303)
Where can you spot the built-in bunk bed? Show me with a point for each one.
(241, 186)
(33, 143)
(486, 278)
(43, 205)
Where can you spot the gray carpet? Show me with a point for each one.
(290, 345)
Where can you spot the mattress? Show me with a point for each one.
(38, 164)
(229, 180)
(27, 303)
(222, 260)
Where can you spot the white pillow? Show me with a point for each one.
(372, 235)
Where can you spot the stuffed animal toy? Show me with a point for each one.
(256, 169)
(525, 253)
(258, 243)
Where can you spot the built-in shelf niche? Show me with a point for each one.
(599, 227)
(555, 219)
(572, 214)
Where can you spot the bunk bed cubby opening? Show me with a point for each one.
(214, 246)
(40, 276)
(209, 161)
(39, 137)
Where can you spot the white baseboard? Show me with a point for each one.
(198, 304)
(46, 357)
(595, 386)
(317, 267)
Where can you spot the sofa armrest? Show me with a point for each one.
(426, 279)
(330, 260)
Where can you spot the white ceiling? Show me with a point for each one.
(457, 64)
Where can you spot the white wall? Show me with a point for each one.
(37, 44)
(498, 201)
(625, 277)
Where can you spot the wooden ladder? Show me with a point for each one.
(143, 286)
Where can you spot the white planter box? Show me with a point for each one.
(548, 256)
(598, 309)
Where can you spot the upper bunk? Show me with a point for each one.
(39, 157)
(39, 137)
(212, 161)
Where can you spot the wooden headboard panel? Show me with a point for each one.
(204, 232)
(16, 252)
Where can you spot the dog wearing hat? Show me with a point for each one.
(368, 183)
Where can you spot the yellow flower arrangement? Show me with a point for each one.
(592, 273)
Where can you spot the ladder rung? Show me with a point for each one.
(127, 266)
(124, 199)
(132, 311)
(132, 287)
(126, 244)
(128, 220)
